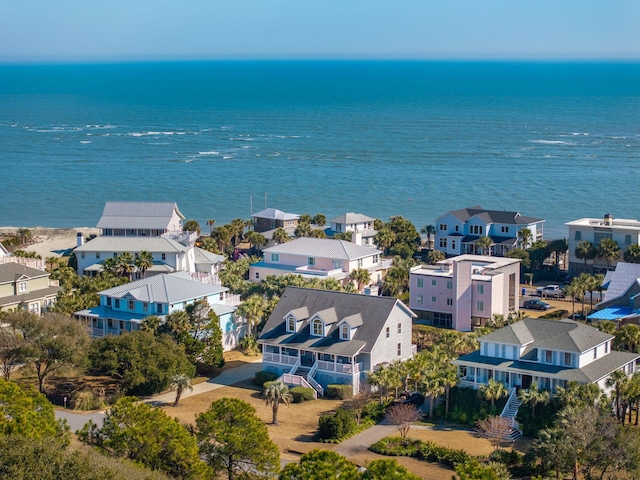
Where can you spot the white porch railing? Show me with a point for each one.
(339, 367)
(290, 379)
(277, 358)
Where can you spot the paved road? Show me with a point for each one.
(233, 375)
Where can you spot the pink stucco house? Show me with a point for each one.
(464, 291)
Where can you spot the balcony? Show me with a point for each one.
(309, 270)
(277, 358)
(345, 368)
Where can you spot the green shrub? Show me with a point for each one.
(348, 422)
(376, 410)
(249, 345)
(395, 447)
(339, 391)
(302, 394)
(263, 376)
(508, 457)
(329, 427)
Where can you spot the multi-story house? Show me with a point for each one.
(122, 308)
(361, 226)
(621, 302)
(27, 288)
(458, 231)
(464, 291)
(317, 337)
(320, 257)
(623, 231)
(548, 353)
(140, 219)
(271, 218)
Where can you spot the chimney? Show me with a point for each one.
(79, 239)
(608, 219)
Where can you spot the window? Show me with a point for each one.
(399, 349)
(164, 256)
(595, 353)
(132, 305)
(480, 306)
(567, 358)
(434, 283)
(257, 275)
(433, 299)
(159, 308)
(443, 243)
(443, 226)
(311, 261)
(457, 228)
(344, 332)
(108, 301)
(82, 255)
(275, 257)
(504, 229)
(449, 301)
(145, 306)
(481, 289)
(22, 287)
(337, 264)
(291, 324)
(117, 303)
(420, 282)
(376, 258)
(97, 254)
(606, 348)
(399, 328)
(598, 236)
(548, 356)
(453, 244)
(359, 263)
(317, 327)
(578, 235)
(387, 332)
(627, 239)
(419, 299)
(449, 284)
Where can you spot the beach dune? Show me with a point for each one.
(52, 242)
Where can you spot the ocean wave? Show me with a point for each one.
(227, 157)
(209, 153)
(552, 142)
(85, 141)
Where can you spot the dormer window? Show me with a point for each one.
(22, 287)
(291, 324)
(344, 332)
(316, 328)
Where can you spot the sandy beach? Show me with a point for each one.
(52, 242)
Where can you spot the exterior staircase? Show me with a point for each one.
(510, 411)
(303, 376)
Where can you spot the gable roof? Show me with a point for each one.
(563, 335)
(351, 217)
(12, 271)
(374, 312)
(493, 216)
(206, 257)
(165, 288)
(143, 215)
(621, 280)
(131, 244)
(324, 248)
(275, 214)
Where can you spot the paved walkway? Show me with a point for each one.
(360, 443)
(229, 377)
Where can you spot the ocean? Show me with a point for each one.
(559, 141)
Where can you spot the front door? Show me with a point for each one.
(526, 381)
(306, 359)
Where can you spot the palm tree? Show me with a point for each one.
(485, 244)
(582, 285)
(320, 220)
(533, 397)
(632, 254)
(435, 256)
(574, 291)
(558, 247)
(428, 230)
(179, 383)
(524, 238)
(50, 261)
(280, 235)
(253, 310)
(303, 230)
(143, 262)
(609, 250)
(317, 233)
(629, 335)
(274, 394)
(124, 264)
(375, 379)
(361, 277)
(211, 222)
(494, 390)
(110, 265)
(432, 386)
(585, 251)
(384, 239)
(617, 380)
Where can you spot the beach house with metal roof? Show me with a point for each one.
(317, 337)
(23, 287)
(548, 353)
(122, 308)
(621, 302)
(272, 218)
(360, 225)
(458, 231)
(140, 219)
(320, 258)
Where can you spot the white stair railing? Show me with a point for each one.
(312, 380)
(295, 367)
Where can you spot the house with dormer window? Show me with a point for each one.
(124, 307)
(26, 288)
(548, 353)
(318, 337)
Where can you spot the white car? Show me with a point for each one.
(554, 291)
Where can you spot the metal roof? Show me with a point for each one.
(274, 214)
(132, 244)
(206, 257)
(142, 215)
(620, 280)
(613, 313)
(350, 217)
(324, 248)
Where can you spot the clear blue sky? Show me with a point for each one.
(94, 30)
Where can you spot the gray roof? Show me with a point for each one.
(374, 312)
(324, 248)
(564, 335)
(493, 216)
(206, 257)
(50, 291)
(132, 244)
(274, 214)
(145, 215)
(10, 272)
(591, 373)
(165, 288)
(624, 276)
(351, 217)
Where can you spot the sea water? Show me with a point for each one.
(558, 141)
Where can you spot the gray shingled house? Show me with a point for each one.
(319, 337)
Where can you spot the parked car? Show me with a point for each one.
(550, 291)
(411, 398)
(536, 304)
